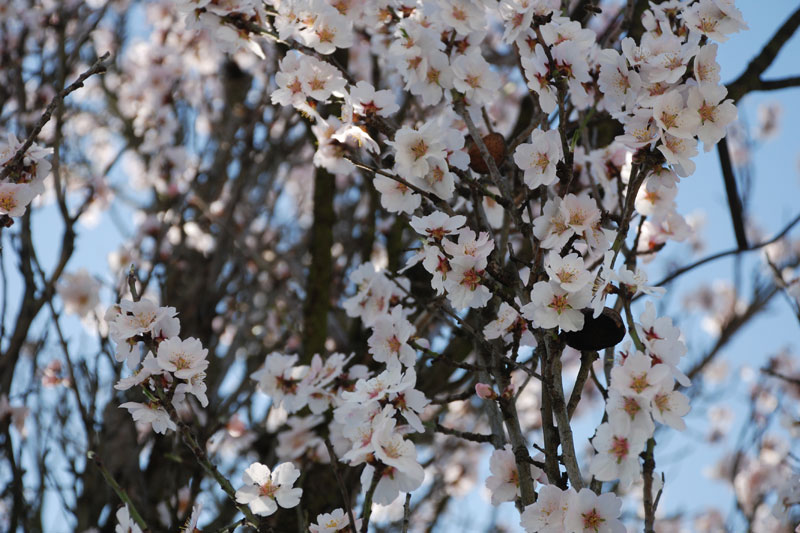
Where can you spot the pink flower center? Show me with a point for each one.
(394, 344)
(419, 149)
(639, 383)
(631, 406)
(471, 279)
(592, 520)
(268, 489)
(559, 303)
(619, 448)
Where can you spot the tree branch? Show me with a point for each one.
(734, 202)
(750, 79)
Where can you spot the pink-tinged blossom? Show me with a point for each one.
(279, 378)
(619, 84)
(537, 72)
(210, 17)
(669, 406)
(580, 214)
(470, 246)
(485, 392)
(438, 180)
(568, 272)
(150, 367)
(391, 449)
(438, 265)
(640, 130)
(538, 159)
(389, 341)
(408, 401)
(517, 16)
(589, 513)
(672, 115)
(414, 148)
(714, 114)
(507, 324)
(184, 358)
(602, 281)
(662, 341)
(290, 89)
(706, 68)
(551, 226)
(392, 482)
(548, 513)
(366, 101)
(79, 292)
(635, 282)
(679, 152)
(129, 320)
(333, 522)
(373, 295)
(397, 197)
(437, 225)
(438, 78)
(618, 448)
(653, 200)
(465, 16)
(264, 490)
(473, 77)
(639, 376)
(571, 60)
(715, 19)
(152, 414)
(14, 198)
(195, 386)
(464, 283)
(328, 31)
(561, 29)
(551, 306)
(629, 412)
(504, 481)
(299, 438)
(26, 179)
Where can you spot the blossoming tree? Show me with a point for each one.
(368, 246)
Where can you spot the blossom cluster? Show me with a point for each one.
(178, 365)
(458, 268)
(572, 214)
(24, 180)
(372, 411)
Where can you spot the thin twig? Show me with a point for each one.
(466, 435)
(726, 253)
(98, 67)
(340, 481)
(92, 456)
(366, 512)
(406, 513)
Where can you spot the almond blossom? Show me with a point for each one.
(706, 100)
(551, 306)
(264, 490)
(618, 449)
(504, 481)
(568, 272)
(332, 522)
(548, 513)
(150, 413)
(538, 159)
(638, 376)
(589, 513)
(389, 340)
